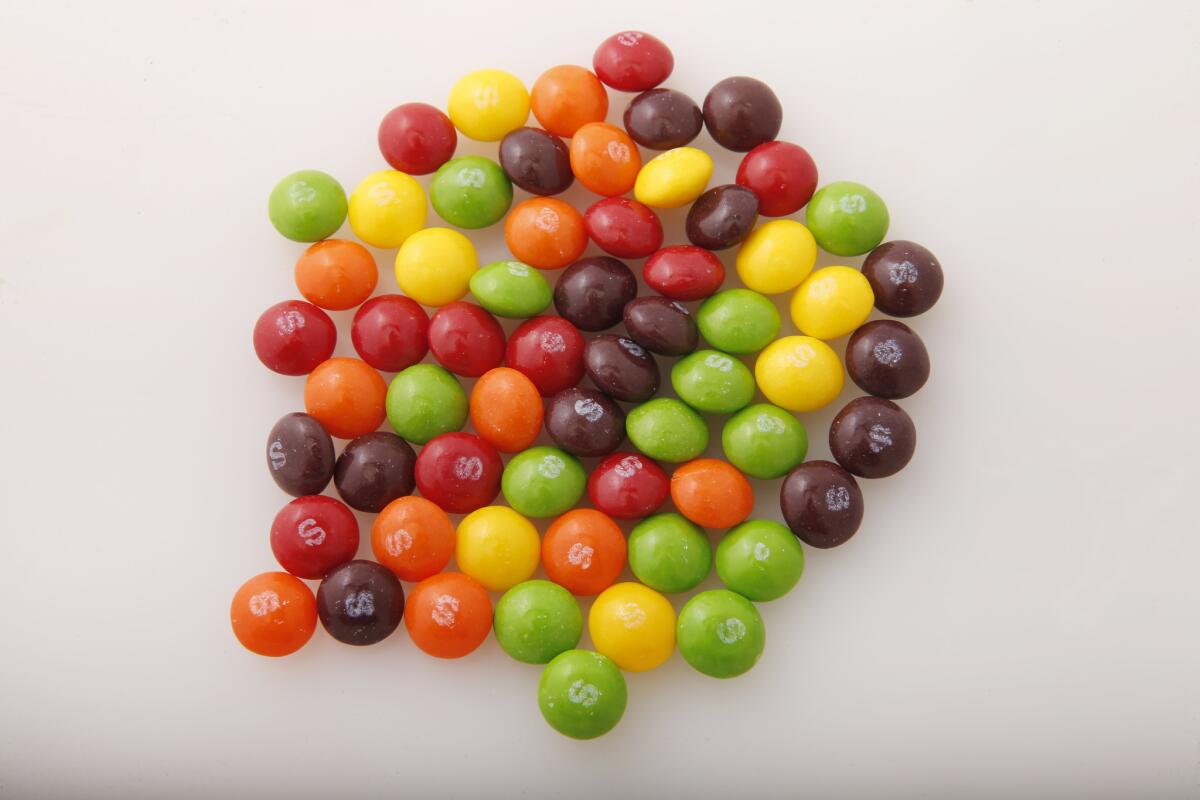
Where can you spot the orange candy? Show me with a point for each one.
(448, 615)
(545, 232)
(506, 409)
(346, 396)
(336, 274)
(605, 159)
(567, 97)
(712, 493)
(273, 614)
(584, 551)
(413, 538)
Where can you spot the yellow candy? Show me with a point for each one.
(674, 178)
(497, 547)
(488, 103)
(633, 625)
(832, 302)
(386, 208)
(799, 373)
(434, 266)
(776, 257)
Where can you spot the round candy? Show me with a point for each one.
(821, 503)
(847, 218)
(548, 351)
(799, 373)
(417, 138)
(543, 481)
(293, 337)
(300, 455)
(781, 174)
(360, 603)
(605, 159)
(764, 441)
(470, 192)
(711, 493)
(905, 277)
(669, 554)
(582, 694)
(887, 359)
(720, 633)
(777, 257)
(506, 409)
(722, 217)
(449, 615)
(488, 103)
(537, 620)
(413, 538)
(511, 289)
(585, 422)
(832, 302)
(536, 161)
(709, 380)
(738, 321)
(390, 332)
(545, 232)
(387, 208)
(633, 625)
(760, 560)
(425, 400)
(662, 119)
(628, 486)
(592, 292)
(621, 368)
(632, 61)
(273, 614)
(674, 178)
(624, 228)
(435, 265)
(567, 97)
(307, 206)
(872, 437)
(666, 429)
(336, 274)
(374, 470)
(346, 396)
(466, 339)
(312, 535)
(684, 272)
(459, 471)
(742, 113)
(661, 326)
(497, 547)
(584, 551)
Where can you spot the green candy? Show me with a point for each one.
(307, 206)
(511, 289)
(669, 553)
(738, 321)
(543, 481)
(847, 219)
(760, 560)
(470, 192)
(667, 430)
(764, 441)
(582, 694)
(424, 401)
(537, 620)
(711, 381)
(720, 633)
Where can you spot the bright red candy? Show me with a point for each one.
(459, 472)
(782, 176)
(466, 339)
(684, 272)
(548, 351)
(628, 486)
(390, 332)
(632, 61)
(312, 535)
(417, 138)
(624, 228)
(293, 337)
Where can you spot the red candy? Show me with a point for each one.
(416, 138)
(628, 486)
(548, 351)
(459, 471)
(312, 535)
(782, 176)
(624, 228)
(390, 332)
(632, 61)
(466, 339)
(684, 272)
(293, 337)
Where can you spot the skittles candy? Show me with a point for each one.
(413, 538)
(668, 553)
(360, 603)
(632, 61)
(832, 302)
(738, 321)
(872, 437)
(374, 470)
(621, 368)
(536, 161)
(273, 614)
(506, 409)
(684, 272)
(760, 560)
(416, 138)
(624, 228)
(543, 481)
(470, 192)
(674, 178)
(720, 633)
(488, 103)
(742, 113)
(584, 551)
(905, 277)
(307, 206)
(605, 159)
(434, 266)
(293, 337)
(628, 486)
(565, 98)
(346, 396)
(582, 694)
(387, 208)
(511, 289)
(537, 620)
(666, 429)
(777, 256)
(585, 422)
(312, 535)
(633, 625)
(662, 119)
(799, 373)
(300, 455)
(548, 351)
(661, 325)
(782, 175)
(466, 339)
(459, 471)
(425, 400)
(709, 380)
(711, 493)
(336, 274)
(545, 232)
(821, 503)
(390, 332)
(497, 547)
(764, 441)
(847, 218)
(592, 292)
(449, 615)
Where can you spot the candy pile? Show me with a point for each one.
(533, 380)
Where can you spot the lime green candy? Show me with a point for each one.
(543, 481)
(537, 620)
(669, 553)
(307, 206)
(847, 218)
(511, 289)
(712, 381)
(470, 192)
(424, 401)
(667, 430)
(720, 633)
(761, 560)
(738, 321)
(764, 441)
(582, 694)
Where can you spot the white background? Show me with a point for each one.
(1018, 615)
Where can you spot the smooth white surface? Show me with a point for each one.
(1018, 616)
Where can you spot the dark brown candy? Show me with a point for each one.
(663, 118)
(360, 602)
(621, 368)
(374, 470)
(537, 161)
(821, 503)
(661, 325)
(886, 358)
(300, 455)
(722, 217)
(585, 422)
(592, 292)
(872, 437)
(906, 278)
(742, 113)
